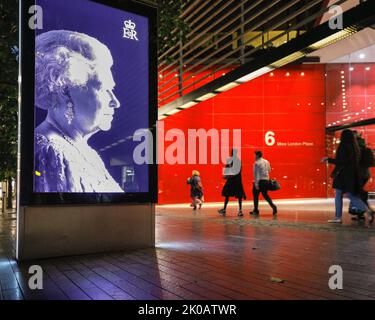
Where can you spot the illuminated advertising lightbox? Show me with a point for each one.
(93, 88)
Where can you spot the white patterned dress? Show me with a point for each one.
(64, 165)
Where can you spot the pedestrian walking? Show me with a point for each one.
(365, 163)
(346, 176)
(196, 190)
(262, 169)
(233, 186)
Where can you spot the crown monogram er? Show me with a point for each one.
(129, 24)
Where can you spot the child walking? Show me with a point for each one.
(196, 190)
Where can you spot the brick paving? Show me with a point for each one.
(200, 255)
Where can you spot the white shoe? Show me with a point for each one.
(336, 220)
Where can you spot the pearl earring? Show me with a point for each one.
(69, 113)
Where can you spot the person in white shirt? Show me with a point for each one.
(262, 171)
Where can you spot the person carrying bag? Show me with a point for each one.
(273, 185)
(262, 183)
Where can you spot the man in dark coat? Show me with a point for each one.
(365, 163)
(346, 175)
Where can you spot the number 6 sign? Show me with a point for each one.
(270, 138)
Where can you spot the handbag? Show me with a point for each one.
(273, 185)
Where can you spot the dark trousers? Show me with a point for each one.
(263, 189)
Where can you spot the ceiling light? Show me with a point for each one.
(288, 59)
(188, 105)
(206, 97)
(172, 112)
(255, 74)
(362, 56)
(333, 38)
(227, 87)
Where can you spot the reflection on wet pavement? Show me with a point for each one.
(201, 255)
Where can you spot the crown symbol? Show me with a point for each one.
(129, 24)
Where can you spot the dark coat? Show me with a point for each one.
(233, 186)
(346, 176)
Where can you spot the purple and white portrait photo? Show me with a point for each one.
(91, 92)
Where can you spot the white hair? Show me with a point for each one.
(66, 59)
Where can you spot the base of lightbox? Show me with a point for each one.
(56, 231)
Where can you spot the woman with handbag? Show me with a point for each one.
(233, 186)
(346, 176)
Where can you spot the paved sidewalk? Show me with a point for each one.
(201, 255)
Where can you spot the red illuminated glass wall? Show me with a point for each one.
(368, 133)
(350, 91)
(289, 104)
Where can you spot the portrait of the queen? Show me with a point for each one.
(74, 85)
